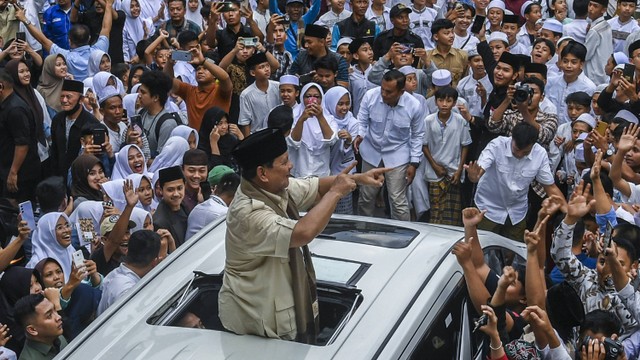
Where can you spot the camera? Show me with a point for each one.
(523, 93)
(285, 19)
(612, 348)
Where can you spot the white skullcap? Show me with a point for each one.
(441, 77)
(498, 35)
(587, 119)
(552, 25)
(407, 70)
(289, 80)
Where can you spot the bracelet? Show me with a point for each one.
(495, 348)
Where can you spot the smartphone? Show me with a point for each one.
(608, 235)
(226, 6)
(601, 128)
(407, 48)
(99, 137)
(78, 259)
(20, 35)
(478, 23)
(181, 55)
(205, 188)
(628, 72)
(124, 114)
(250, 41)
(136, 120)
(26, 213)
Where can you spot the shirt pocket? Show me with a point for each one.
(285, 316)
(401, 127)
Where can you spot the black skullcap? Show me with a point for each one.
(281, 117)
(260, 148)
(510, 19)
(536, 68)
(256, 59)
(510, 59)
(524, 59)
(316, 31)
(73, 85)
(355, 45)
(633, 47)
(604, 3)
(195, 157)
(170, 174)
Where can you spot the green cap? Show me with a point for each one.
(217, 173)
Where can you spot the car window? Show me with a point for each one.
(497, 258)
(369, 233)
(442, 339)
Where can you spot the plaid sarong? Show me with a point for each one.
(446, 205)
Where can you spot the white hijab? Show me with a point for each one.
(184, 132)
(134, 26)
(312, 133)
(138, 216)
(100, 80)
(114, 191)
(94, 62)
(137, 178)
(121, 169)
(46, 245)
(331, 99)
(171, 154)
(129, 103)
(194, 16)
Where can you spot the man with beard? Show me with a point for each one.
(66, 127)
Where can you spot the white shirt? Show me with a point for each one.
(467, 90)
(204, 214)
(383, 21)
(557, 91)
(115, 137)
(523, 37)
(186, 72)
(262, 20)
(359, 84)
(115, 285)
(465, 43)
(577, 29)
(330, 18)
(519, 49)
(312, 154)
(444, 142)
(432, 108)
(32, 8)
(390, 134)
(341, 157)
(599, 44)
(503, 188)
(420, 23)
(547, 106)
(622, 31)
(255, 105)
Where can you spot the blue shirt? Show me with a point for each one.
(56, 24)
(556, 275)
(78, 58)
(291, 43)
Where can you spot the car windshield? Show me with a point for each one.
(338, 271)
(369, 233)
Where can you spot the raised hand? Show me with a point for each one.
(628, 138)
(472, 216)
(508, 277)
(597, 165)
(474, 171)
(578, 205)
(462, 250)
(130, 193)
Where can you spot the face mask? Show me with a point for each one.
(75, 108)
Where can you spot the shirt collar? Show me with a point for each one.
(41, 347)
(508, 153)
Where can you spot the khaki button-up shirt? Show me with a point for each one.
(455, 61)
(257, 295)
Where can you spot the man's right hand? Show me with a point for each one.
(356, 144)
(628, 138)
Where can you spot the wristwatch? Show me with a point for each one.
(415, 164)
(609, 152)
(27, 23)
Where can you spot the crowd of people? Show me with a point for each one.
(123, 126)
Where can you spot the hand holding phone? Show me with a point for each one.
(78, 259)
(26, 214)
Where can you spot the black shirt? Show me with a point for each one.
(18, 127)
(62, 152)
(104, 267)
(385, 39)
(226, 39)
(349, 28)
(93, 20)
(174, 221)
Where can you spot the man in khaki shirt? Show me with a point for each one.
(444, 56)
(269, 283)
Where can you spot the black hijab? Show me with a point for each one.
(226, 143)
(80, 169)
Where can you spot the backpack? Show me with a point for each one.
(158, 123)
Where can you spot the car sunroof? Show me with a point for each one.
(369, 233)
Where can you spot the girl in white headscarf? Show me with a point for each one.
(144, 187)
(113, 191)
(92, 211)
(52, 238)
(193, 12)
(142, 218)
(103, 79)
(135, 28)
(171, 154)
(312, 134)
(337, 102)
(129, 160)
(188, 133)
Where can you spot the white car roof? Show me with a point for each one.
(395, 277)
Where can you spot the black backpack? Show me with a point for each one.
(158, 123)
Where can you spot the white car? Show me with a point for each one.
(387, 290)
